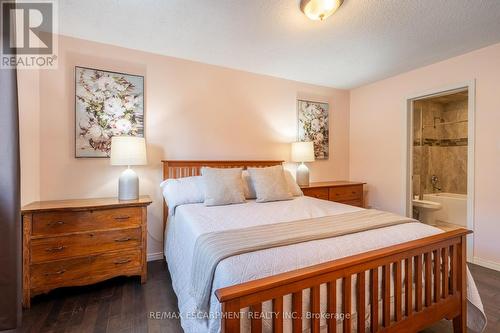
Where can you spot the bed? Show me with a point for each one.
(326, 285)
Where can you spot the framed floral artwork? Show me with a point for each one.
(106, 104)
(313, 126)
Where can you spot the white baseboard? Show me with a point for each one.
(155, 256)
(486, 263)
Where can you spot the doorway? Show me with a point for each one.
(440, 159)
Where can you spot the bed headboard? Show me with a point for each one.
(180, 169)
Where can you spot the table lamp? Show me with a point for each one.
(128, 150)
(302, 152)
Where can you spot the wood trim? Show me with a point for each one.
(83, 204)
(144, 226)
(173, 169)
(221, 163)
(397, 286)
(361, 287)
(418, 283)
(374, 320)
(412, 248)
(26, 219)
(452, 305)
(336, 183)
(408, 287)
(297, 310)
(278, 317)
(347, 302)
(315, 309)
(386, 295)
(331, 305)
(460, 321)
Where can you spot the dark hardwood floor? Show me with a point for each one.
(117, 305)
(124, 305)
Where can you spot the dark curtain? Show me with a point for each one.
(10, 224)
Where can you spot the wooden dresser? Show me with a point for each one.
(80, 242)
(349, 193)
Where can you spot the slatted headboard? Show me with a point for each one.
(180, 169)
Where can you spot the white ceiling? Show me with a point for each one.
(365, 41)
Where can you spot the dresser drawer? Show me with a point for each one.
(357, 203)
(319, 193)
(82, 271)
(82, 244)
(345, 193)
(50, 223)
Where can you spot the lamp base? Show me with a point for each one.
(302, 175)
(128, 185)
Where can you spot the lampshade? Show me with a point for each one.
(303, 152)
(128, 150)
(318, 10)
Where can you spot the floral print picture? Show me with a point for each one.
(313, 126)
(107, 104)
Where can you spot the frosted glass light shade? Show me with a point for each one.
(318, 10)
(303, 152)
(128, 150)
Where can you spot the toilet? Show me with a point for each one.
(426, 210)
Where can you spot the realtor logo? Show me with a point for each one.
(28, 39)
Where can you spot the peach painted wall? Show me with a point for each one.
(377, 145)
(193, 111)
(29, 133)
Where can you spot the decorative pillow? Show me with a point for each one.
(293, 187)
(223, 186)
(182, 191)
(270, 183)
(248, 188)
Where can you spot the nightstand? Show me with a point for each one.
(349, 193)
(79, 242)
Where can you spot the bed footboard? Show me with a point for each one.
(435, 290)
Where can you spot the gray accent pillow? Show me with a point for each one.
(222, 186)
(248, 186)
(270, 184)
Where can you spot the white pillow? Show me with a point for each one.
(293, 187)
(223, 186)
(249, 189)
(270, 183)
(182, 191)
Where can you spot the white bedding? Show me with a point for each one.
(192, 220)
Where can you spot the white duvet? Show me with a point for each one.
(192, 220)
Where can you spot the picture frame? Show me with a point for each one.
(313, 125)
(107, 103)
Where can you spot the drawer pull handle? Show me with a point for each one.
(55, 223)
(122, 218)
(121, 262)
(125, 239)
(56, 249)
(60, 272)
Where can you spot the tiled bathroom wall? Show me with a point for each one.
(442, 149)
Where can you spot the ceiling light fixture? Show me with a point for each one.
(318, 10)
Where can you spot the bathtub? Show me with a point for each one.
(454, 207)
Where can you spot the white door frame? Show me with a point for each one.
(408, 151)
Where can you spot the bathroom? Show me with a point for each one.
(439, 159)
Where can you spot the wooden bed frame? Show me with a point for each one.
(440, 258)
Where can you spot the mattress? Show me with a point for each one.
(192, 220)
